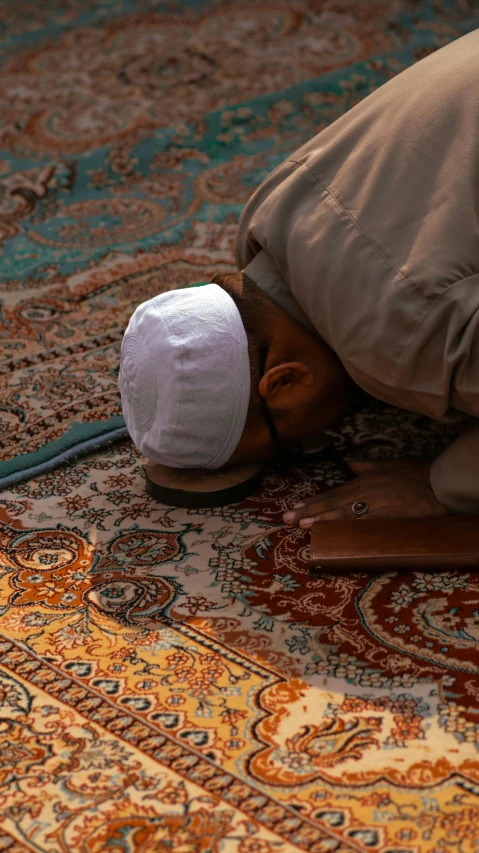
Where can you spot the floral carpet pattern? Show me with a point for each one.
(174, 680)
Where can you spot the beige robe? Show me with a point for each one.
(369, 235)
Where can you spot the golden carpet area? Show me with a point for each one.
(174, 680)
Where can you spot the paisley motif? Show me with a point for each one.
(100, 223)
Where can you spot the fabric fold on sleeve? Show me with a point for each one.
(455, 474)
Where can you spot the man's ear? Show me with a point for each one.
(286, 384)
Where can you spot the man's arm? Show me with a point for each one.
(455, 474)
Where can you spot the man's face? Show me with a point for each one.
(255, 446)
(257, 443)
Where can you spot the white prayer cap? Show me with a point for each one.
(185, 377)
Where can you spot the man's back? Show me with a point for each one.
(373, 227)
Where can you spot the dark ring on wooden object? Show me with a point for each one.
(202, 499)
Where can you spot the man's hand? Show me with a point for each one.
(396, 489)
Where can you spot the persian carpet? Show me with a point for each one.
(173, 680)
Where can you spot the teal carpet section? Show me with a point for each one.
(80, 440)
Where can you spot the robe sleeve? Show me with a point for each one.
(455, 474)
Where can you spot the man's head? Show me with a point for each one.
(207, 374)
(304, 385)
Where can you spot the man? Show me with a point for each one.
(358, 261)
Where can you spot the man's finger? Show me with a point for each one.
(364, 466)
(319, 505)
(334, 515)
(345, 513)
(312, 499)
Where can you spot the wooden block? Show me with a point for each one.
(375, 545)
(196, 488)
